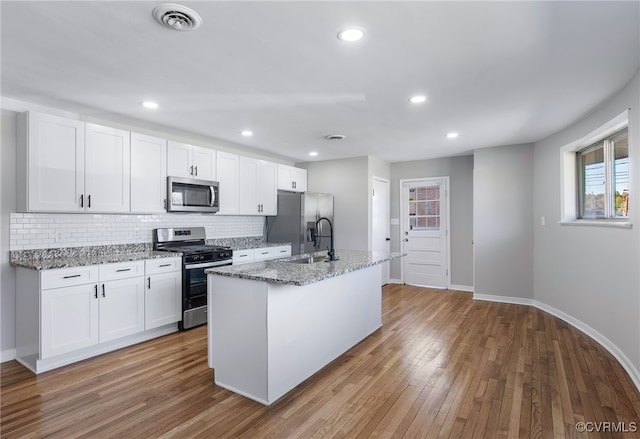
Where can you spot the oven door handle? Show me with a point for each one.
(208, 264)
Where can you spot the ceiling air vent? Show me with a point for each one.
(177, 17)
(335, 136)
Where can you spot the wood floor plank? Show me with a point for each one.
(442, 365)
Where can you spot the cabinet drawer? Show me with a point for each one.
(242, 256)
(67, 277)
(281, 251)
(162, 265)
(261, 254)
(121, 270)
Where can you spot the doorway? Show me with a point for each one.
(380, 236)
(424, 205)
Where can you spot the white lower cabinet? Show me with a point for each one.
(261, 254)
(163, 292)
(69, 319)
(121, 308)
(68, 314)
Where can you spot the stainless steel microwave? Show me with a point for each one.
(190, 195)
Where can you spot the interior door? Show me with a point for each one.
(380, 235)
(424, 232)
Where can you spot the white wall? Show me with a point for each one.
(460, 173)
(7, 205)
(502, 221)
(347, 180)
(591, 273)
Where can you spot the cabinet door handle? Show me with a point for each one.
(123, 269)
(191, 171)
(149, 282)
(164, 265)
(196, 168)
(82, 200)
(89, 201)
(95, 291)
(103, 293)
(294, 185)
(72, 276)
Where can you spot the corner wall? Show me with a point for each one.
(591, 274)
(502, 221)
(347, 180)
(460, 171)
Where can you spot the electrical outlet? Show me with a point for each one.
(58, 237)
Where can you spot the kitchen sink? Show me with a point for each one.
(309, 260)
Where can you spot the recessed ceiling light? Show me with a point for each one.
(247, 133)
(150, 105)
(313, 153)
(351, 34)
(418, 99)
(451, 135)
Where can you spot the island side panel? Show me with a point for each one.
(237, 335)
(312, 325)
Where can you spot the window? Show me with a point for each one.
(603, 172)
(424, 207)
(595, 177)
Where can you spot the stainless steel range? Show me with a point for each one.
(197, 257)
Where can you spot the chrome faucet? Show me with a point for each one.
(332, 251)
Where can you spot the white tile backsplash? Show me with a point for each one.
(30, 231)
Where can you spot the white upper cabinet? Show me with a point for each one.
(107, 169)
(268, 188)
(50, 163)
(258, 187)
(148, 174)
(189, 161)
(227, 173)
(204, 163)
(248, 193)
(258, 190)
(69, 166)
(292, 179)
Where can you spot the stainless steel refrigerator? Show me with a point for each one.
(296, 221)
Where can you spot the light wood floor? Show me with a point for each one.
(442, 365)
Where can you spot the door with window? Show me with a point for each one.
(425, 236)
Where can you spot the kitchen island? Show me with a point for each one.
(273, 324)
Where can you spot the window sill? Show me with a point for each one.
(597, 223)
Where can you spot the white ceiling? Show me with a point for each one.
(499, 73)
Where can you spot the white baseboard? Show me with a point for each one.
(504, 299)
(7, 355)
(467, 288)
(578, 324)
(396, 281)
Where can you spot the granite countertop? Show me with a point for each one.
(245, 243)
(52, 258)
(77, 257)
(282, 271)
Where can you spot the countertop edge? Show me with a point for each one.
(304, 280)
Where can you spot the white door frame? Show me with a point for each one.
(447, 225)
